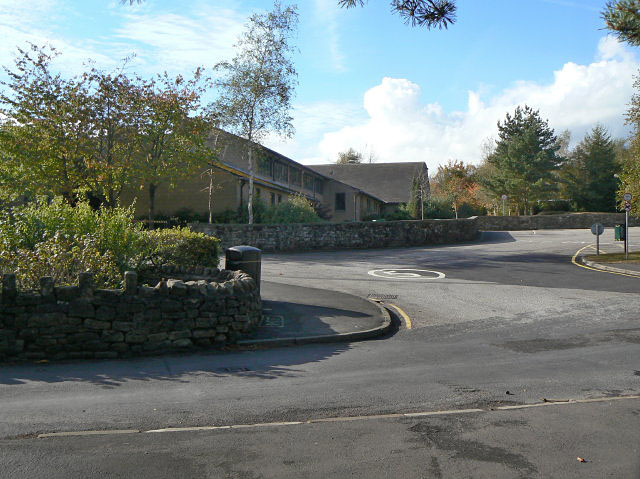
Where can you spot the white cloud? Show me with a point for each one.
(327, 12)
(400, 127)
(177, 42)
(311, 119)
(33, 21)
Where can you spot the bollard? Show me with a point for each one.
(245, 258)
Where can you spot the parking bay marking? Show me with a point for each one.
(406, 273)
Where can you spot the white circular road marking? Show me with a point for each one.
(406, 273)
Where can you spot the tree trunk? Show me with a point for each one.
(210, 196)
(152, 204)
(250, 201)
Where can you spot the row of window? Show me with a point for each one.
(275, 198)
(286, 174)
(340, 203)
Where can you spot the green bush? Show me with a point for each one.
(53, 238)
(62, 258)
(109, 230)
(182, 246)
(296, 209)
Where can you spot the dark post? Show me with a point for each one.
(245, 258)
(9, 288)
(130, 283)
(85, 284)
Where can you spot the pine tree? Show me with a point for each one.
(525, 158)
(588, 174)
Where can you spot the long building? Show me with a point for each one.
(342, 192)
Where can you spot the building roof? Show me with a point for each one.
(390, 182)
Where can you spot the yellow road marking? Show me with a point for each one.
(405, 316)
(575, 257)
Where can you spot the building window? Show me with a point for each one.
(340, 202)
(280, 172)
(279, 198)
(319, 186)
(258, 192)
(308, 182)
(295, 177)
(273, 199)
(264, 167)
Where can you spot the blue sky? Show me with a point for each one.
(366, 80)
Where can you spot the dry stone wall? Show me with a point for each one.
(542, 222)
(198, 308)
(334, 236)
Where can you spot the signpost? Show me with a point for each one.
(597, 229)
(504, 198)
(627, 207)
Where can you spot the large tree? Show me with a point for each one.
(588, 174)
(45, 129)
(455, 183)
(172, 133)
(257, 85)
(525, 159)
(96, 133)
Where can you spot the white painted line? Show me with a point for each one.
(345, 418)
(406, 273)
(89, 433)
(189, 429)
(440, 413)
(267, 424)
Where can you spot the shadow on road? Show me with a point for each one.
(185, 368)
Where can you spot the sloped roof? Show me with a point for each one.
(390, 182)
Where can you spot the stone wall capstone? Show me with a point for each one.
(334, 236)
(197, 308)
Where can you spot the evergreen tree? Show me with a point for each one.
(588, 174)
(525, 159)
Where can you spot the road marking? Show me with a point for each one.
(342, 419)
(272, 321)
(575, 257)
(406, 273)
(405, 316)
(89, 433)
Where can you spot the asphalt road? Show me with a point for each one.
(512, 321)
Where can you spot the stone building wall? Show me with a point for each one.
(205, 307)
(333, 236)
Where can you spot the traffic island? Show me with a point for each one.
(295, 315)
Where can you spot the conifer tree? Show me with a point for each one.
(525, 158)
(589, 172)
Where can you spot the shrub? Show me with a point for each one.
(182, 246)
(53, 238)
(62, 258)
(296, 209)
(109, 230)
